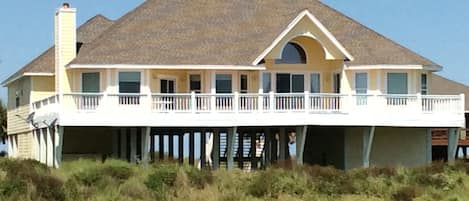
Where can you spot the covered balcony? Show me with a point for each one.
(263, 109)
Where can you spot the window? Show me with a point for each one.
(243, 88)
(315, 83)
(129, 82)
(223, 83)
(288, 83)
(397, 83)
(292, 54)
(195, 83)
(90, 82)
(361, 87)
(336, 82)
(17, 101)
(423, 84)
(298, 83)
(167, 86)
(361, 83)
(267, 82)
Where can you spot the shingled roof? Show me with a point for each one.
(45, 63)
(214, 32)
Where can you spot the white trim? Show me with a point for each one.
(9, 81)
(394, 67)
(292, 25)
(171, 67)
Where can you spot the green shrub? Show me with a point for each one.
(199, 178)
(163, 176)
(273, 182)
(407, 193)
(11, 186)
(89, 177)
(120, 173)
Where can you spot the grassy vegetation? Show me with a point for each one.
(117, 180)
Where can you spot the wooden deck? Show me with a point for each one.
(440, 138)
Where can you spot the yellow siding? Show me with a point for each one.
(16, 116)
(25, 145)
(65, 47)
(42, 87)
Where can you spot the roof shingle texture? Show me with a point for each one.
(45, 63)
(235, 32)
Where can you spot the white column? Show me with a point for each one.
(300, 143)
(145, 145)
(213, 89)
(216, 149)
(37, 149)
(123, 144)
(453, 139)
(10, 146)
(133, 145)
(43, 136)
(230, 145)
(50, 148)
(368, 135)
(58, 141)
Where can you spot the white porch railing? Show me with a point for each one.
(267, 102)
(374, 107)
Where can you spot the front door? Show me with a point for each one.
(290, 83)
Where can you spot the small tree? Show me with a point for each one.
(3, 121)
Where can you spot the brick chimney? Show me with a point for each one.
(65, 45)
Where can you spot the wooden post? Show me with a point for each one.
(453, 139)
(240, 150)
(267, 147)
(216, 149)
(300, 143)
(230, 145)
(368, 135)
(191, 147)
(202, 149)
(274, 146)
(171, 146)
(123, 136)
(152, 147)
(181, 148)
(133, 145)
(115, 143)
(161, 147)
(282, 144)
(253, 150)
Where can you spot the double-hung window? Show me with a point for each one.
(89, 85)
(423, 84)
(129, 86)
(361, 88)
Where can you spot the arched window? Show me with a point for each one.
(292, 54)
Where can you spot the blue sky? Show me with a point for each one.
(438, 29)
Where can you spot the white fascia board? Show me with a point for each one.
(166, 67)
(7, 82)
(292, 25)
(394, 67)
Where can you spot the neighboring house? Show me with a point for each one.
(443, 86)
(258, 76)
